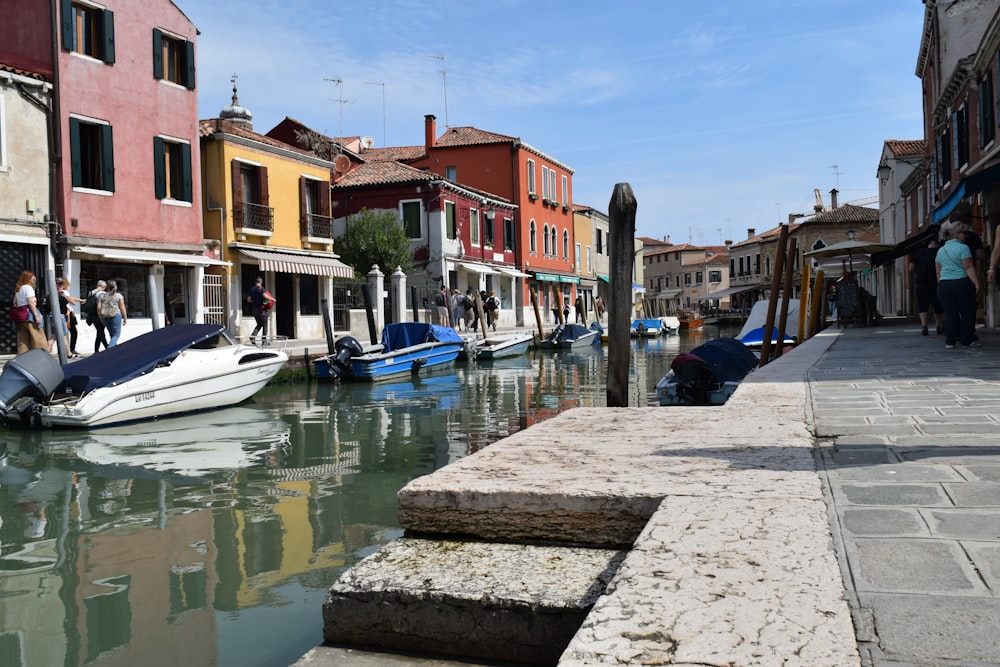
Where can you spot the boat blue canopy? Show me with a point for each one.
(729, 359)
(134, 357)
(398, 335)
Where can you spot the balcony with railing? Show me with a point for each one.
(316, 228)
(253, 219)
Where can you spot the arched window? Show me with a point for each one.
(545, 237)
(555, 246)
(532, 240)
(565, 244)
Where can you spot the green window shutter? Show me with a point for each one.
(189, 65)
(108, 35)
(159, 168)
(107, 159)
(66, 20)
(186, 175)
(157, 54)
(76, 162)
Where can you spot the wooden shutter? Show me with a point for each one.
(159, 169)
(107, 159)
(76, 161)
(187, 178)
(66, 20)
(265, 199)
(189, 70)
(237, 184)
(303, 197)
(157, 54)
(108, 36)
(324, 198)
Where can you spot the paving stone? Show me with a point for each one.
(970, 494)
(966, 524)
(937, 628)
(913, 566)
(986, 557)
(984, 473)
(919, 495)
(860, 455)
(900, 472)
(883, 522)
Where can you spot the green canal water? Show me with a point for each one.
(211, 539)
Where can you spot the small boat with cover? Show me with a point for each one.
(501, 347)
(570, 336)
(707, 375)
(407, 348)
(183, 368)
(646, 328)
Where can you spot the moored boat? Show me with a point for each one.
(500, 347)
(670, 323)
(646, 328)
(690, 320)
(407, 348)
(569, 336)
(183, 368)
(707, 375)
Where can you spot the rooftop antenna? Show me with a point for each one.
(374, 83)
(444, 81)
(341, 163)
(836, 171)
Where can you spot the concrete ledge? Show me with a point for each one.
(491, 601)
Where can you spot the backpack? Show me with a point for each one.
(491, 303)
(89, 306)
(109, 306)
(268, 301)
(439, 299)
(467, 303)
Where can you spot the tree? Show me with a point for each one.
(374, 238)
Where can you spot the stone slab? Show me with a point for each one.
(472, 599)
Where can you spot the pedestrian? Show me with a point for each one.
(111, 310)
(441, 302)
(599, 308)
(169, 299)
(457, 310)
(581, 317)
(957, 286)
(492, 310)
(89, 309)
(30, 325)
(469, 305)
(69, 315)
(924, 276)
(261, 303)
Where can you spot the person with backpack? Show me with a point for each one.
(492, 310)
(261, 303)
(441, 302)
(111, 310)
(89, 312)
(469, 306)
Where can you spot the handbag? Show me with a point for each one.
(18, 314)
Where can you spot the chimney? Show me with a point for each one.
(750, 232)
(430, 131)
(833, 199)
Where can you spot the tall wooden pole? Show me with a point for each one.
(621, 242)
(803, 304)
(772, 303)
(786, 295)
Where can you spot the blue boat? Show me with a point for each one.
(570, 336)
(408, 348)
(754, 338)
(707, 375)
(646, 328)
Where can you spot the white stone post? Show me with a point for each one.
(398, 287)
(376, 288)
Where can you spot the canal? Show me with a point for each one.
(211, 539)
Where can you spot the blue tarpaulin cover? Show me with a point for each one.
(729, 359)
(407, 334)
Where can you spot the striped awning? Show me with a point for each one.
(283, 262)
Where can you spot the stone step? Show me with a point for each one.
(491, 601)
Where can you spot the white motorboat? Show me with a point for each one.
(671, 324)
(501, 346)
(184, 368)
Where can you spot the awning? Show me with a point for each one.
(476, 267)
(575, 280)
(949, 204)
(512, 272)
(906, 247)
(669, 293)
(636, 287)
(983, 180)
(282, 262)
(604, 277)
(148, 256)
(729, 291)
(557, 278)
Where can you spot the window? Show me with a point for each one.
(172, 169)
(545, 238)
(308, 294)
(474, 226)
(531, 177)
(555, 246)
(590, 261)
(687, 278)
(942, 149)
(451, 173)
(451, 226)
(88, 30)
(756, 267)
(715, 276)
(960, 129)
(565, 190)
(92, 147)
(987, 120)
(566, 245)
(552, 184)
(578, 257)
(508, 234)
(699, 277)
(600, 242)
(545, 183)
(411, 219)
(532, 241)
(488, 234)
(173, 59)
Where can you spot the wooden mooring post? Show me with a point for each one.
(621, 218)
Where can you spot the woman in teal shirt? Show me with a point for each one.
(957, 286)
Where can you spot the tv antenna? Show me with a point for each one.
(374, 83)
(444, 82)
(341, 102)
(836, 172)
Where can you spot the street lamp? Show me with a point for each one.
(883, 172)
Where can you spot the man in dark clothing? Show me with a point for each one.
(921, 267)
(256, 299)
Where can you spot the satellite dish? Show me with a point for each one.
(341, 163)
(367, 142)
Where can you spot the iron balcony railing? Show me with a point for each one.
(253, 217)
(317, 227)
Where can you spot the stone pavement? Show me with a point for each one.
(909, 445)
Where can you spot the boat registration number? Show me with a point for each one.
(145, 396)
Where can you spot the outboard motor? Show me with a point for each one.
(35, 374)
(344, 348)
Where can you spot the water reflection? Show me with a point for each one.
(211, 539)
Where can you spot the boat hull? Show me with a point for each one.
(503, 348)
(583, 341)
(406, 361)
(195, 380)
(667, 392)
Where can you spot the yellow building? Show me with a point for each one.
(266, 209)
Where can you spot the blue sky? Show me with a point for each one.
(722, 115)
